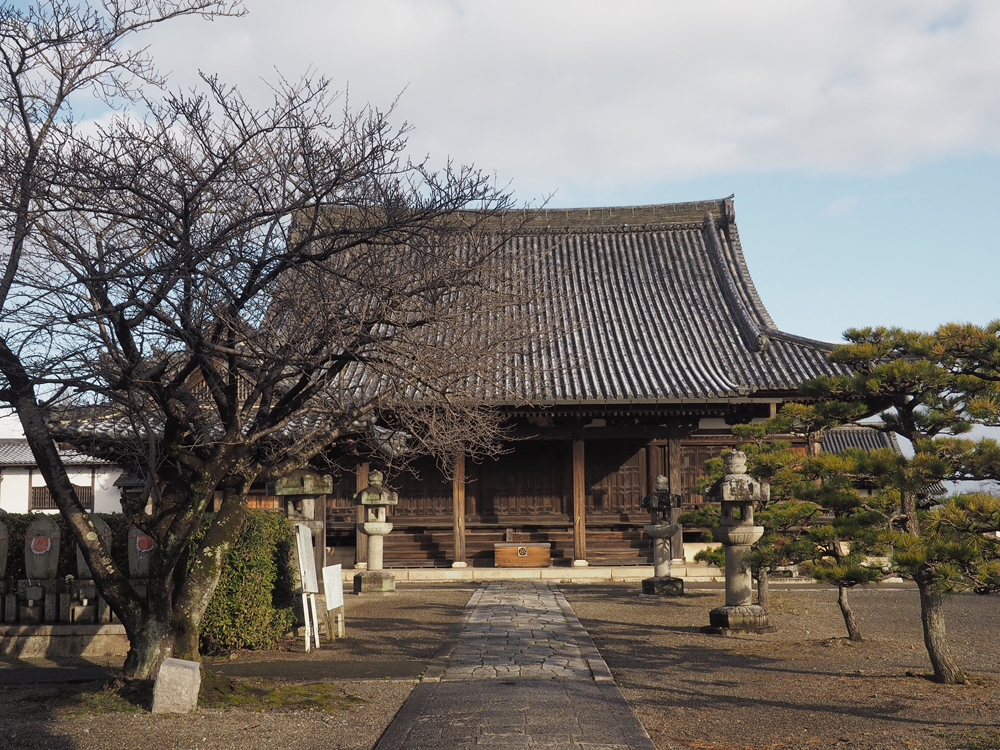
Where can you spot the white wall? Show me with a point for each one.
(14, 488)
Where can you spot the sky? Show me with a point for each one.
(861, 139)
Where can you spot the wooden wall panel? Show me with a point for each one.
(616, 478)
(529, 482)
(693, 458)
(423, 492)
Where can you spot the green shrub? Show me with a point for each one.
(254, 602)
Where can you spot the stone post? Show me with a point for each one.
(738, 492)
(660, 504)
(38, 592)
(374, 499)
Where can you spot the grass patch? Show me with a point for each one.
(76, 699)
(218, 691)
(979, 741)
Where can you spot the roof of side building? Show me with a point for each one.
(14, 452)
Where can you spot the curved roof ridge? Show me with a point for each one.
(792, 338)
(616, 216)
(729, 283)
(732, 236)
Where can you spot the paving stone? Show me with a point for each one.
(519, 676)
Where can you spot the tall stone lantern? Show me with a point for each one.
(738, 492)
(375, 499)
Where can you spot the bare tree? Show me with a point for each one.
(53, 53)
(227, 292)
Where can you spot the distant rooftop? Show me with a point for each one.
(14, 452)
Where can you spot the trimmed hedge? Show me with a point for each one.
(254, 603)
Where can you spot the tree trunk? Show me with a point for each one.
(148, 647)
(197, 590)
(763, 588)
(946, 669)
(853, 631)
(908, 504)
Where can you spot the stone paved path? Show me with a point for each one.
(523, 673)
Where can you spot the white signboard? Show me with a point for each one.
(333, 584)
(307, 562)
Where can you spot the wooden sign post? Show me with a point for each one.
(307, 575)
(333, 585)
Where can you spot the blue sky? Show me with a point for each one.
(862, 140)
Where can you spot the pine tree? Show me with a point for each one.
(929, 388)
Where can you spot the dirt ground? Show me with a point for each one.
(406, 628)
(802, 687)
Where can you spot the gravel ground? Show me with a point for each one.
(804, 686)
(408, 626)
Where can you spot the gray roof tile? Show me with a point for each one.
(15, 452)
(661, 309)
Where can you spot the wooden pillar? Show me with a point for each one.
(579, 506)
(458, 512)
(361, 540)
(674, 476)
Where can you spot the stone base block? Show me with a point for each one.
(744, 618)
(176, 688)
(666, 586)
(374, 582)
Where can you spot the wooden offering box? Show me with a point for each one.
(522, 554)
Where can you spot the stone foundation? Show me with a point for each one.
(40, 641)
(743, 618)
(374, 582)
(666, 586)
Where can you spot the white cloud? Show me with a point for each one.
(584, 91)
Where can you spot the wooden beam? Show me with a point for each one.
(675, 477)
(360, 540)
(579, 505)
(458, 511)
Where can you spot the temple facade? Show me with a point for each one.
(663, 345)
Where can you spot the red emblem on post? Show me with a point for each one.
(144, 543)
(41, 544)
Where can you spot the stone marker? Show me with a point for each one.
(4, 541)
(177, 686)
(103, 531)
(41, 549)
(140, 553)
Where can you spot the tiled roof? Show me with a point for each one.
(862, 438)
(640, 305)
(15, 452)
(858, 437)
(652, 303)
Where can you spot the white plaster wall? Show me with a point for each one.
(14, 490)
(107, 497)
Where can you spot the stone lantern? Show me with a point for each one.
(661, 531)
(738, 492)
(374, 499)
